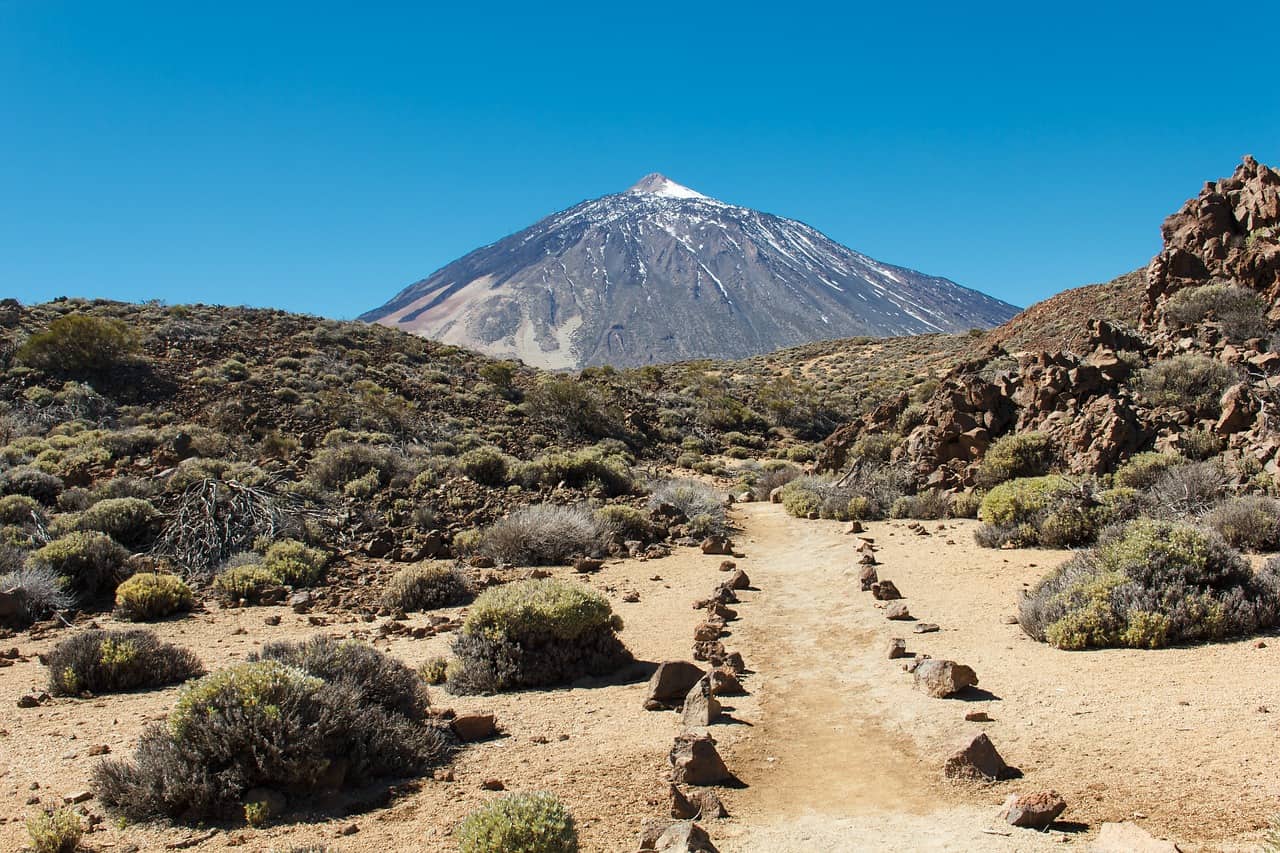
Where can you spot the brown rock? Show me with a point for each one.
(897, 611)
(701, 708)
(943, 678)
(671, 682)
(587, 565)
(681, 807)
(867, 578)
(728, 566)
(897, 648)
(684, 837)
(708, 631)
(708, 805)
(717, 545)
(724, 682)
(924, 628)
(977, 717)
(1033, 811)
(695, 761)
(493, 784)
(711, 651)
(1128, 837)
(473, 727)
(739, 580)
(77, 797)
(885, 590)
(977, 759)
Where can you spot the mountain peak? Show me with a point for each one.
(656, 183)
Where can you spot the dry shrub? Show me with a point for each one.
(1189, 381)
(112, 661)
(88, 560)
(38, 590)
(1241, 312)
(1251, 522)
(1189, 490)
(545, 534)
(425, 587)
(693, 502)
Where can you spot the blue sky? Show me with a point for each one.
(318, 157)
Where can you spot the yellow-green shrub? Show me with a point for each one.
(519, 823)
(294, 564)
(148, 595)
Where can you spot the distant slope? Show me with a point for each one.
(662, 273)
(1060, 322)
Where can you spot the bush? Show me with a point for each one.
(590, 469)
(626, 522)
(874, 487)
(113, 661)
(147, 596)
(129, 521)
(573, 408)
(1189, 381)
(485, 465)
(20, 510)
(377, 678)
(695, 501)
(1150, 584)
(425, 586)
(1051, 511)
(251, 583)
(1251, 522)
(265, 723)
(32, 482)
(1199, 444)
(57, 831)
(39, 592)
(1027, 454)
(876, 447)
(544, 534)
(79, 344)
(1143, 469)
(965, 504)
(1187, 490)
(536, 633)
(88, 560)
(772, 479)
(1241, 311)
(929, 505)
(519, 823)
(294, 564)
(335, 467)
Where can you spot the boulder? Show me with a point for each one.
(711, 651)
(681, 807)
(707, 631)
(684, 837)
(695, 761)
(724, 682)
(701, 707)
(885, 590)
(473, 727)
(738, 580)
(897, 648)
(1128, 837)
(897, 611)
(1033, 811)
(943, 678)
(867, 578)
(587, 565)
(671, 682)
(775, 495)
(717, 545)
(979, 760)
(728, 566)
(708, 805)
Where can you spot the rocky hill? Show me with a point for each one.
(662, 273)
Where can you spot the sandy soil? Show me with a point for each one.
(834, 748)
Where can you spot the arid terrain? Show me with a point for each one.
(833, 746)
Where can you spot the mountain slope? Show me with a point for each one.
(660, 273)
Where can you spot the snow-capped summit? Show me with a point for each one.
(661, 272)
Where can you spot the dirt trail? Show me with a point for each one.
(821, 768)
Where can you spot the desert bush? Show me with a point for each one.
(573, 408)
(55, 831)
(875, 486)
(1142, 470)
(129, 521)
(1241, 312)
(929, 505)
(434, 670)
(876, 447)
(20, 510)
(425, 586)
(771, 479)
(39, 592)
(377, 678)
(250, 583)
(1150, 584)
(626, 522)
(334, 467)
(1026, 454)
(1186, 490)
(519, 823)
(79, 344)
(485, 465)
(821, 496)
(1199, 444)
(113, 661)
(1251, 522)
(701, 507)
(294, 564)
(88, 560)
(545, 534)
(268, 724)
(147, 595)
(536, 633)
(965, 504)
(1052, 511)
(32, 482)
(601, 469)
(1189, 381)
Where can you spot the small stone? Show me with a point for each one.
(1010, 620)
(631, 597)
(885, 590)
(943, 678)
(724, 682)
(77, 797)
(977, 717)
(897, 611)
(1128, 837)
(867, 578)
(977, 759)
(924, 628)
(739, 580)
(728, 566)
(681, 807)
(671, 683)
(587, 565)
(695, 761)
(1033, 811)
(709, 805)
(708, 631)
(99, 749)
(493, 785)
(349, 829)
(473, 727)
(273, 619)
(1260, 644)
(301, 602)
(28, 700)
(734, 661)
(897, 648)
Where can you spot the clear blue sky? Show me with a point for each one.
(320, 156)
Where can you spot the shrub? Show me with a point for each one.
(250, 583)
(1027, 454)
(485, 465)
(79, 344)
(1150, 584)
(519, 823)
(56, 831)
(965, 504)
(589, 469)
(772, 479)
(693, 500)
(90, 561)
(113, 661)
(1199, 444)
(32, 482)
(335, 467)
(1251, 522)
(1187, 490)
(264, 723)
(1189, 381)
(544, 534)
(536, 633)
(146, 596)
(572, 407)
(1241, 311)
(929, 505)
(294, 564)
(1143, 469)
(877, 447)
(39, 593)
(425, 586)
(626, 522)
(129, 521)
(1051, 511)
(434, 670)
(20, 510)
(377, 678)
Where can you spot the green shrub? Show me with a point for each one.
(485, 465)
(536, 633)
(264, 723)
(1189, 381)
(250, 583)
(590, 469)
(1051, 511)
(377, 678)
(519, 823)
(1027, 454)
(294, 564)
(1251, 522)
(20, 510)
(335, 467)
(1152, 584)
(32, 482)
(1143, 469)
(434, 670)
(545, 534)
(874, 446)
(1199, 444)
(88, 560)
(79, 344)
(573, 408)
(1241, 311)
(805, 496)
(626, 522)
(425, 586)
(129, 521)
(113, 661)
(56, 831)
(926, 506)
(146, 596)
(965, 504)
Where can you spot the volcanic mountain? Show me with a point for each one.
(663, 273)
